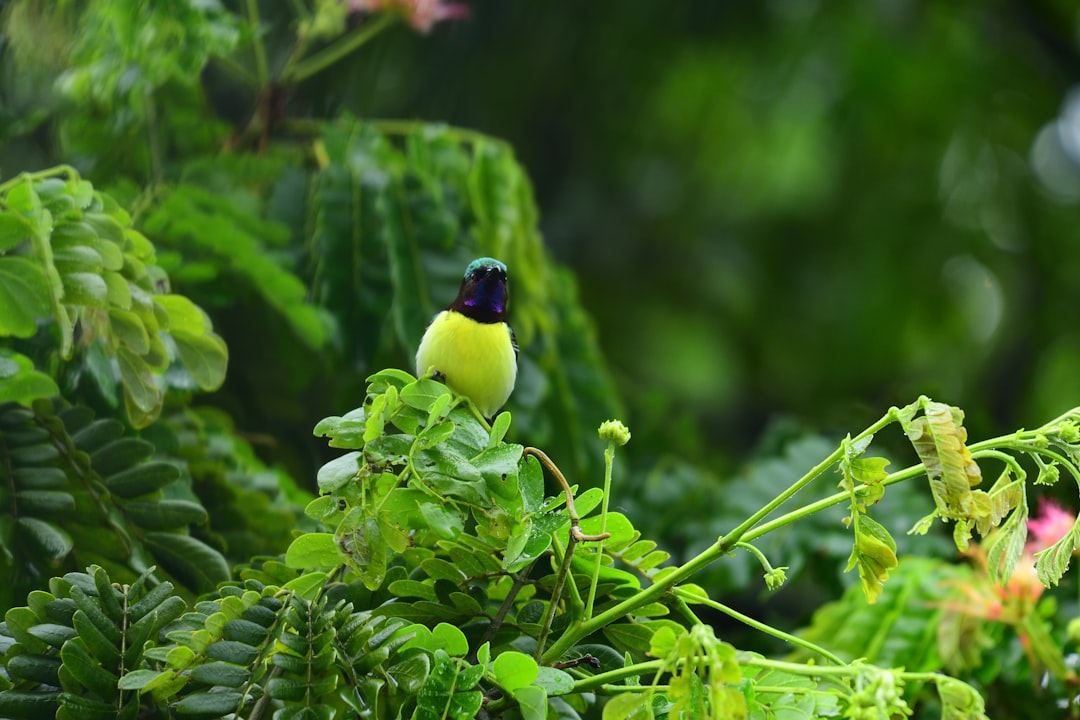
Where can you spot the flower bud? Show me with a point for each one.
(613, 431)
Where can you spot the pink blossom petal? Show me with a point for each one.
(1050, 525)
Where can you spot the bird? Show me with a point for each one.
(469, 345)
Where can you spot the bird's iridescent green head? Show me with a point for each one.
(483, 295)
(484, 264)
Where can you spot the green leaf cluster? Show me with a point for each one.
(252, 509)
(73, 651)
(439, 577)
(78, 491)
(70, 259)
(423, 468)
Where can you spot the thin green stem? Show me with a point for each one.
(650, 594)
(1005, 458)
(816, 471)
(611, 676)
(609, 460)
(827, 502)
(577, 605)
(802, 668)
(758, 625)
(560, 581)
(257, 46)
(753, 550)
(1060, 460)
(67, 170)
(324, 58)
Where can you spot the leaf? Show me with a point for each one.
(1005, 547)
(185, 317)
(20, 382)
(409, 674)
(209, 704)
(48, 541)
(435, 434)
(39, 502)
(85, 288)
(338, 472)
(77, 258)
(87, 670)
(447, 523)
(142, 396)
(874, 553)
(220, 673)
(1051, 563)
(411, 307)
(191, 561)
(313, 550)
(139, 679)
(166, 514)
(52, 633)
(959, 700)
(205, 356)
(366, 552)
(500, 461)
(13, 230)
(939, 438)
(869, 470)
(115, 456)
(307, 585)
(30, 705)
(450, 639)
(630, 636)
(498, 428)
(142, 479)
(118, 290)
(88, 708)
(532, 702)
(129, 329)
(514, 670)
(441, 697)
(24, 296)
(554, 681)
(422, 394)
(629, 706)
(451, 474)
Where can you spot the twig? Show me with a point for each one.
(575, 522)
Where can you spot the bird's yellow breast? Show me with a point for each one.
(477, 359)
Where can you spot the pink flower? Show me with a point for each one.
(1051, 524)
(421, 14)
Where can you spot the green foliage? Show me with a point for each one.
(73, 260)
(252, 509)
(442, 581)
(433, 577)
(69, 649)
(79, 491)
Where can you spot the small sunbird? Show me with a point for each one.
(469, 345)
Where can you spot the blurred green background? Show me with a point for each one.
(788, 208)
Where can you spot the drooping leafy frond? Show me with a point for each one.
(70, 258)
(80, 491)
